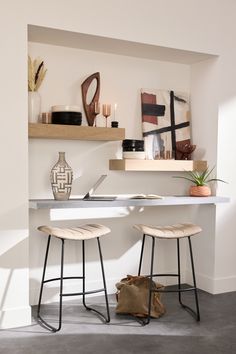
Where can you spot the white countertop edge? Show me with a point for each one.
(124, 200)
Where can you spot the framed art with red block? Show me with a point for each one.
(166, 124)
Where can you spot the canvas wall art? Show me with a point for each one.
(166, 124)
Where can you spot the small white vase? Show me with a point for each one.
(34, 106)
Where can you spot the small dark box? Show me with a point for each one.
(133, 145)
(69, 118)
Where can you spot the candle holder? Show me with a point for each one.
(106, 111)
(114, 124)
(96, 107)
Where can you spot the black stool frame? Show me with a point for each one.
(106, 319)
(196, 314)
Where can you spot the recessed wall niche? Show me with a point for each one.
(125, 67)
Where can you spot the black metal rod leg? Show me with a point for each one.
(61, 283)
(194, 279)
(106, 319)
(150, 283)
(104, 281)
(141, 255)
(179, 272)
(43, 276)
(41, 320)
(83, 275)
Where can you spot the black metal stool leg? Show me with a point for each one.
(194, 288)
(61, 283)
(106, 319)
(43, 276)
(83, 276)
(41, 320)
(141, 255)
(179, 272)
(147, 320)
(194, 279)
(104, 281)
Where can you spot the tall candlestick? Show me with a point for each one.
(97, 107)
(115, 107)
(106, 111)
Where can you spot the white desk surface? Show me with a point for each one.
(124, 201)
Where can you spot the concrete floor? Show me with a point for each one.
(176, 332)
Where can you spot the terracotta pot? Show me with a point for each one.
(200, 191)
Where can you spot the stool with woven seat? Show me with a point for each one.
(177, 232)
(81, 233)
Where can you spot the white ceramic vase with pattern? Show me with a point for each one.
(61, 178)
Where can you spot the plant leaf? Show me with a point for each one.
(216, 179)
(207, 174)
(188, 179)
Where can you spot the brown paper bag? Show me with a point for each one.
(133, 296)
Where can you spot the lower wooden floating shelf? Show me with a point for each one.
(74, 132)
(157, 165)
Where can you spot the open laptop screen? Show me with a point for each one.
(89, 195)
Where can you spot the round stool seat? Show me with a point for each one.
(169, 232)
(83, 232)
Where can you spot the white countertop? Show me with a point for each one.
(124, 200)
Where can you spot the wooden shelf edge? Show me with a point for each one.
(157, 165)
(74, 132)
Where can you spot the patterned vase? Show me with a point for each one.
(61, 178)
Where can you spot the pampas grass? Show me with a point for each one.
(36, 73)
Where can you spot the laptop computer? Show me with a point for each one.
(90, 196)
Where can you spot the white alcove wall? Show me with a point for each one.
(122, 77)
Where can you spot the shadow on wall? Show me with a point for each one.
(16, 215)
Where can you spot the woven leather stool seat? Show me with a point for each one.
(83, 232)
(172, 231)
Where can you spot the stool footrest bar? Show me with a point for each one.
(64, 278)
(163, 275)
(172, 291)
(84, 293)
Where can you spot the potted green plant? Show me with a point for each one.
(200, 179)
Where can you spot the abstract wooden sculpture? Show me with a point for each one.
(89, 108)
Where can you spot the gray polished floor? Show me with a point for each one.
(176, 332)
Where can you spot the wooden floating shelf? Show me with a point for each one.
(157, 165)
(74, 132)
